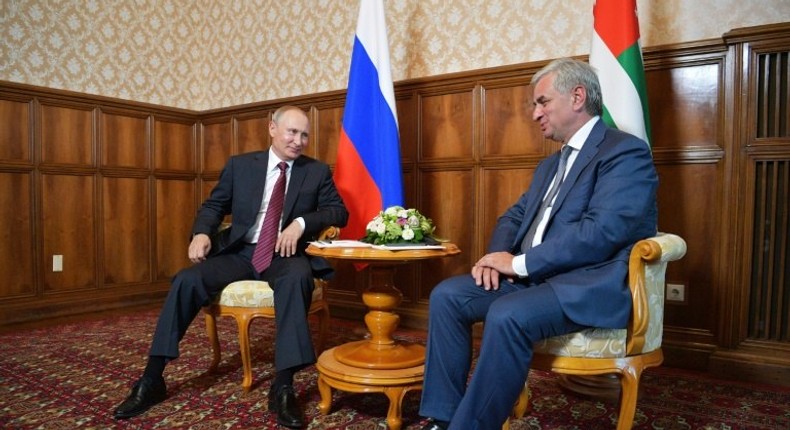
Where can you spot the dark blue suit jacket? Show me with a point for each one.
(311, 195)
(606, 204)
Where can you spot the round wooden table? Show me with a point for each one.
(380, 363)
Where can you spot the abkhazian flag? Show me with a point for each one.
(368, 169)
(616, 55)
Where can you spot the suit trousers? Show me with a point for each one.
(197, 286)
(516, 316)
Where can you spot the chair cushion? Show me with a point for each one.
(255, 294)
(591, 343)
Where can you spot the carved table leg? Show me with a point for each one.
(325, 405)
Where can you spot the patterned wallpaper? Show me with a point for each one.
(204, 54)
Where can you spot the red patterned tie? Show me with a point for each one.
(264, 250)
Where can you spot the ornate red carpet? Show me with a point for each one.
(72, 376)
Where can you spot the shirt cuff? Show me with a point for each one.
(300, 220)
(520, 265)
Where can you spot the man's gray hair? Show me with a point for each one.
(570, 73)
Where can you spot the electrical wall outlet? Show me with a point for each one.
(675, 293)
(57, 263)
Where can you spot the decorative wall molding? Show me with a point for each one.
(200, 55)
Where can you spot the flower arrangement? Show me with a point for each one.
(398, 225)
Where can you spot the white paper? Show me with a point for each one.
(341, 244)
(406, 247)
(360, 244)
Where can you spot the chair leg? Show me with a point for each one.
(243, 322)
(522, 403)
(629, 380)
(211, 331)
(520, 408)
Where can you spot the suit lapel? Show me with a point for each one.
(254, 175)
(258, 177)
(531, 209)
(532, 206)
(298, 174)
(586, 154)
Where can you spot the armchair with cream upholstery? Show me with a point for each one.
(622, 352)
(250, 299)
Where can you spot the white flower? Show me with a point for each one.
(396, 224)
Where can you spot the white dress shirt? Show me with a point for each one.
(272, 173)
(576, 142)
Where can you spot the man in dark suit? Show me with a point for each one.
(557, 261)
(246, 187)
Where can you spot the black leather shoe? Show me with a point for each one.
(283, 402)
(435, 425)
(146, 393)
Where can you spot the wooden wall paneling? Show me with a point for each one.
(325, 136)
(771, 66)
(175, 211)
(406, 105)
(684, 104)
(446, 126)
(765, 149)
(769, 286)
(17, 199)
(174, 144)
(124, 139)
(685, 97)
(126, 227)
(16, 141)
(252, 132)
(449, 200)
(501, 187)
(758, 160)
(217, 143)
(67, 133)
(761, 143)
(508, 129)
(685, 210)
(17, 245)
(69, 228)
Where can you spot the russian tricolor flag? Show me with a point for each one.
(368, 169)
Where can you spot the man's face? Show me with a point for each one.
(555, 112)
(289, 135)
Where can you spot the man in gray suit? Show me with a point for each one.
(557, 261)
(246, 187)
